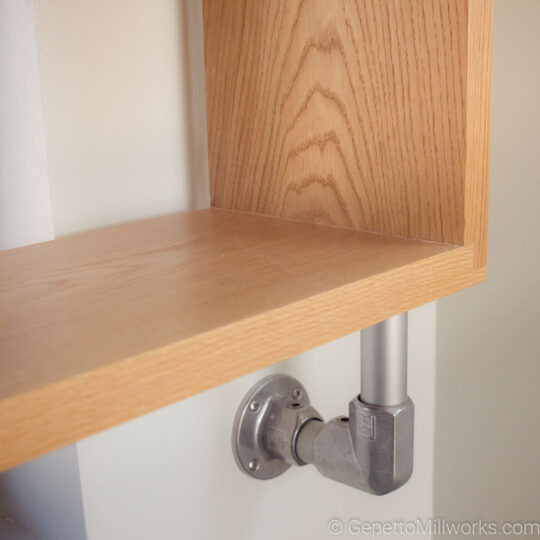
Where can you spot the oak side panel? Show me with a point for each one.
(477, 136)
(342, 112)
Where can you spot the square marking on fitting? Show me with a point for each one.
(366, 426)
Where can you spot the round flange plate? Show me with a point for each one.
(247, 439)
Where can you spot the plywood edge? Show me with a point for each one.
(47, 418)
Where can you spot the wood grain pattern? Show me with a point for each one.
(357, 113)
(98, 328)
(477, 135)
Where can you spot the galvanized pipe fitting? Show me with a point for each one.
(371, 449)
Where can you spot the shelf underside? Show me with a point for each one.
(104, 326)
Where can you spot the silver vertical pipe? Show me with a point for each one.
(384, 362)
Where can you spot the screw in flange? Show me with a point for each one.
(253, 465)
(254, 406)
(297, 393)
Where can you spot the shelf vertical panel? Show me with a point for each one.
(366, 114)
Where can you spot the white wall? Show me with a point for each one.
(27, 509)
(25, 207)
(117, 108)
(123, 98)
(488, 346)
(43, 498)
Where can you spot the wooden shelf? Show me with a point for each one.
(316, 115)
(104, 326)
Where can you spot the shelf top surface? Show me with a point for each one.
(80, 302)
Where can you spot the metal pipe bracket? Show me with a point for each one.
(276, 427)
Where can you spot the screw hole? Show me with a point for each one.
(294, 405)
(343, 419)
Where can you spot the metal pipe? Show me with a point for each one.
(384, 362)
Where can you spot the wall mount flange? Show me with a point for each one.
(267, 424)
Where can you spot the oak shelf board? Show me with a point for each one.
(104, 326)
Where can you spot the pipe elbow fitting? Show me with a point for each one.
(371, 450)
